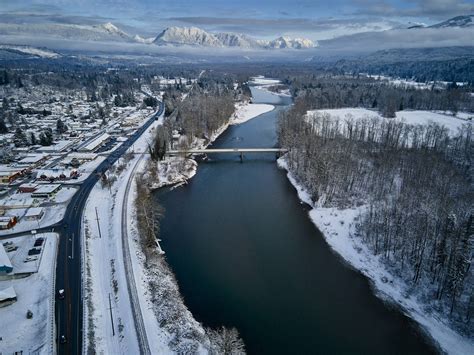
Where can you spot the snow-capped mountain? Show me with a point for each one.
(237, 40)
(458, 21)
(113, 30)
(194, 36)
(294, 43)
(188, 36)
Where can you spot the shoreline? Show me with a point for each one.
(161, 272)
(337, 227)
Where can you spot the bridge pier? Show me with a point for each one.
(241, 157)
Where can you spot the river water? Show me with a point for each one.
(246, 255)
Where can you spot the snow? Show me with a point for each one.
(35, 293)
(246, 111)
(409, 117)
(264, 84)
(4, 259)
(261, 80)
(43, 53)
(338, 229)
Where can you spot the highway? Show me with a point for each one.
(69, 269)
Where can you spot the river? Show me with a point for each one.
(246, 255)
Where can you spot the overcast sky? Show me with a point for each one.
(262, 18)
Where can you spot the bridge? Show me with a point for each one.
(227, 150)
(241, 151)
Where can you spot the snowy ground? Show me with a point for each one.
(35, 293)
(54, 210)
(411, 83)
(409, 117)
(338, 227)
(264, 84)
(105, 273)
(246, 111)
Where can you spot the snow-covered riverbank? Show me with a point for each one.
(178, 170)
(338, 228)
(170, 327)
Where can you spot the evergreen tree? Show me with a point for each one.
(3, 126)
(19, 138)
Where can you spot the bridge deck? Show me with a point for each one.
(227, 150)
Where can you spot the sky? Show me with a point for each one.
(313, 19)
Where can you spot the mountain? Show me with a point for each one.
(294, 43)
(17, 52)
(458, 21)
(187, 36)
(102, 32)
(113, 30)
(194, 36)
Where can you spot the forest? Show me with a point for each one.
(414, 184)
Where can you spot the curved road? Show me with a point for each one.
(68, 312)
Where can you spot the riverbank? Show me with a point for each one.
(178, 170)
(338, 229)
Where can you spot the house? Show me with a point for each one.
(7, 177)
(45, 191)
(7, 222)
(34, 214)
(5, 263)
(28, 188)
(7, 296)
(32, 160)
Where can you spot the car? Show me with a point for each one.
(31, 258)
(61, 294)
(63, 339)
(38, 242)
(34, 251)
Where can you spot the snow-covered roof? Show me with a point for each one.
(4, 259)
(7, 293)
(92, 145)
(58, 147)
(47, 188)
(34, 212)
(32, 158)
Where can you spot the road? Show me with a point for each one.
(69, 312)
(127, 262)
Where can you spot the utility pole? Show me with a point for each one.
(98, 224)
(111, 318)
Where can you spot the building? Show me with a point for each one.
(32, 160)
(94, 144)
(7, 177)
(5, 263)
(28, 188)
(58, 147)
(45, 191)
(7, 222)
(34, 214)
(7, 296)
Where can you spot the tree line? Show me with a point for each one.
(416, 185)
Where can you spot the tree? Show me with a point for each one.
(33, 138)
(60, 126)
(3, 126)
(19, 138)
(46, 137)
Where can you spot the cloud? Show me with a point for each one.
(418, 38)
(434, 9)
(315, 29)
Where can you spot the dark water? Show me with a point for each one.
(246, 255)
